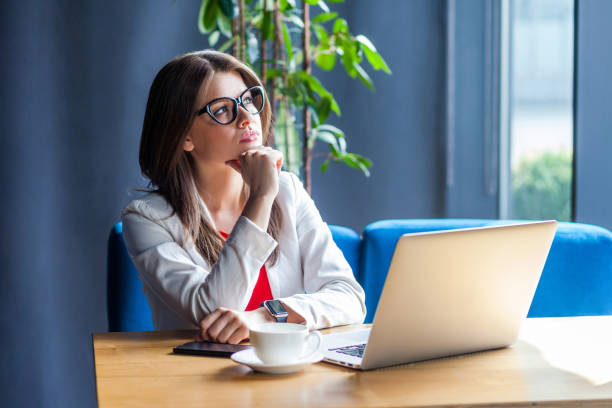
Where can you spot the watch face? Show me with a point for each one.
(276, 307)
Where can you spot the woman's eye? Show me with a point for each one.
(248, 100)
(220, 111)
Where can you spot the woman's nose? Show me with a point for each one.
(244, 117)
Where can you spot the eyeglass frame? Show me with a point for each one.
(237, 101)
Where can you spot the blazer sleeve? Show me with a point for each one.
(333, 297)
(191, 290)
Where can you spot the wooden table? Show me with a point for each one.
(558, 362)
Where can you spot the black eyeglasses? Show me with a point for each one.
(224, 110)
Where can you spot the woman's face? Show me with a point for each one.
(213, 143)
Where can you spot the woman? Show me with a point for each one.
(224, 229)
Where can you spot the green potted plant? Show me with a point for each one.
(281, 41)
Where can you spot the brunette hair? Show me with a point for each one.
(168, 118)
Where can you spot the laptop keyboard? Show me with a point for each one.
(355, 350)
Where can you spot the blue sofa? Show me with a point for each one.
(576, 280)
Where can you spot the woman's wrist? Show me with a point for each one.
(294, 317)
(259, 316)
(258, 209)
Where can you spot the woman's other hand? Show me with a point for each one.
(229, 326)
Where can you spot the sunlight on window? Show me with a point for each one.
(540, 108)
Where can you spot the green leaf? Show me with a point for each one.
(303, 95)
(365, 78)
(213, 38)
(227, 8)
(267, 27)
(296, 20)
(287, 40)
(366, 162)
(327, 138)
(342, 144)
(287, 5)
(312, 2)
(324, 166)
(334, 152)
(201, 16)
(374, 58)
(227, 44)
(313, 83)
(298, 57)
(313, 116)
(366, 42)
(273, 73)
(320, 33)
(334, 106)
(323, 6)
(349, 65)
(224, 24)
(324, 17)
(332, 129)
(340, 26)
(351, 160)
(326, 60)
(323, 108)
(210, 15)
(349, 57)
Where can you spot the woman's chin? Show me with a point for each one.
(249, 145)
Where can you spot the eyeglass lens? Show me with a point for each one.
(225, 110)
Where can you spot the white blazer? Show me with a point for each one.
(311, 275)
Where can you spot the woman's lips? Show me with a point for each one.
(249, 136)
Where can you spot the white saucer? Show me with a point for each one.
(248, 358)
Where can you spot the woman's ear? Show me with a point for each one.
(188, 144)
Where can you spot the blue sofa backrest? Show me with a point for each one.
(127, 306)
(576, 280)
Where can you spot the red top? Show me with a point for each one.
(262, 287)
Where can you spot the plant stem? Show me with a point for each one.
(276, 55)
(306, 150)
(287, 118)
(242, 32)
(263, 51)
(236, 45)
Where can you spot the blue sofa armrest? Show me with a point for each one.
(127, 306)
(577, 277)
(349, 243)
(576, 280)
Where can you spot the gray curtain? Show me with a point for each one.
(75, 78)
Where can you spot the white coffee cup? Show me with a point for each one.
(283, 343)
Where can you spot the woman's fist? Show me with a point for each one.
(260, 168)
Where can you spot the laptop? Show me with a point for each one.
(449, 293)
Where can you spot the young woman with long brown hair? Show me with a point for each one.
(223, 229)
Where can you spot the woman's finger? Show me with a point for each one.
(233, 325)
(207, 321)
(226, 318)
(242, 333)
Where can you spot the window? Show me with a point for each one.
(537, 109)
